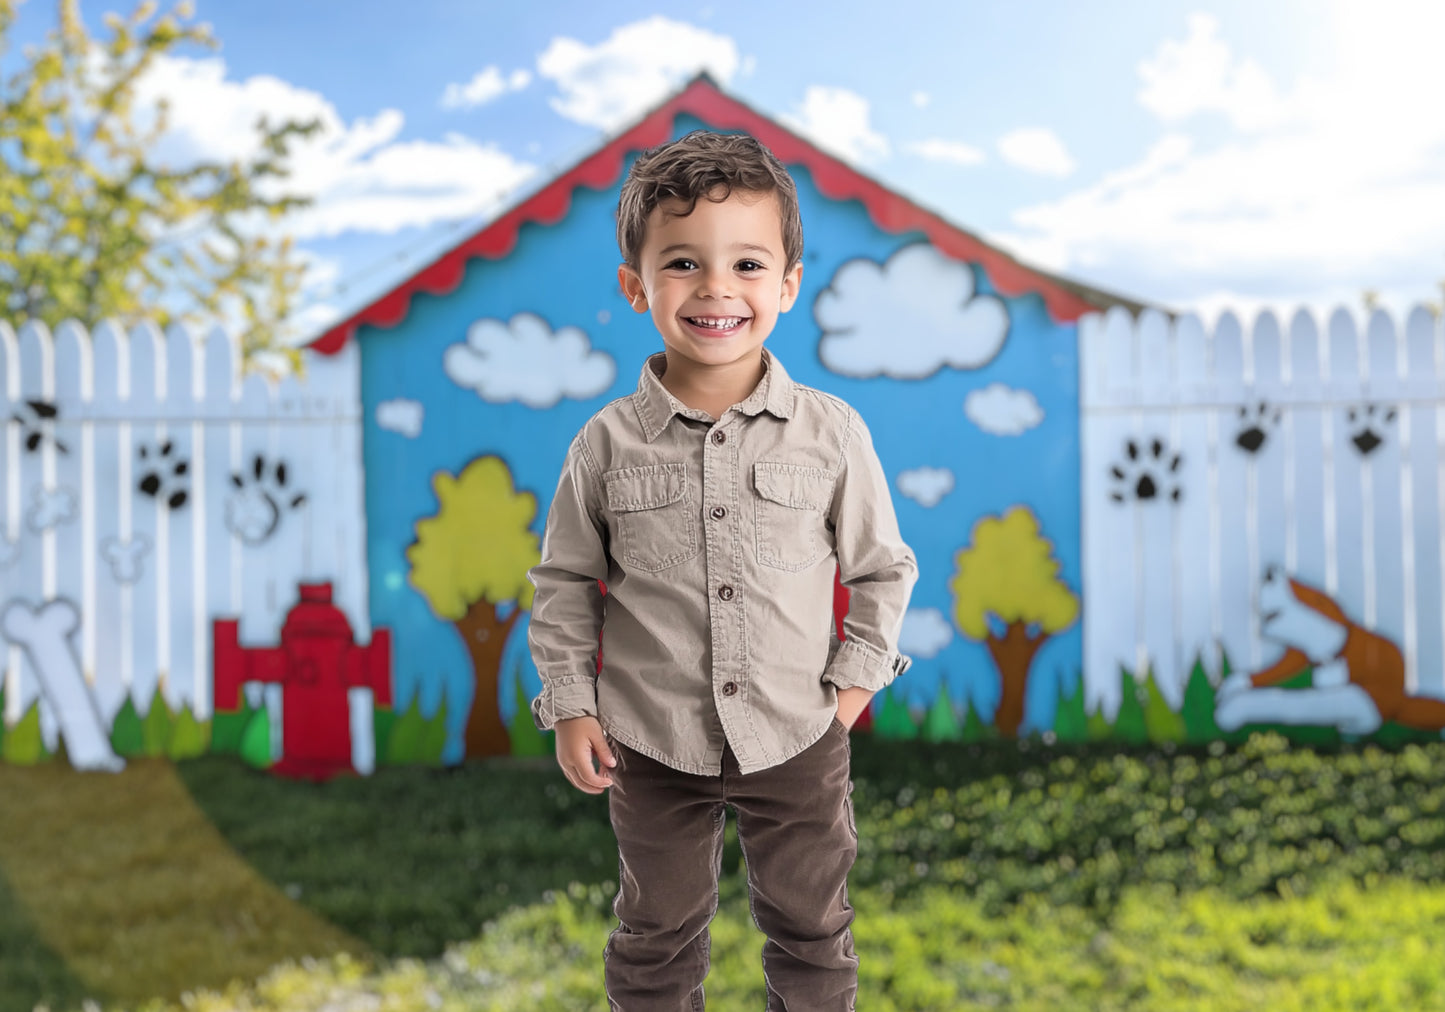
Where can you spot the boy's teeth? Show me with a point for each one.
(720, 323)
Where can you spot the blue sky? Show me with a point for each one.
(1193, 154)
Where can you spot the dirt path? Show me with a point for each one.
(128, 882)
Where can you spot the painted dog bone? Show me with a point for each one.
(44, 634)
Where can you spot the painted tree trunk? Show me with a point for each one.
(485, 636)
(1013, 655)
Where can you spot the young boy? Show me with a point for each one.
(714, 503)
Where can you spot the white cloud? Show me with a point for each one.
(608, 84)
(524, 360)
(926, 485)
(921, 99)
(925, 632)
(837, 119)
(360, 175)
(1037, 149)
(907, 318)
(1002, 410)
(1201, 75)
(485, 86)
(1335, 184)
(954, 152)
(401, 415)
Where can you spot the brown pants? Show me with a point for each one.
(795, 823)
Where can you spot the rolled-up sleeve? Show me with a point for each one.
(567, 607)
(875, 565)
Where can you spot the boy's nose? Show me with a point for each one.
(713, 283)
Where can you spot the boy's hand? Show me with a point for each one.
(851, 704)
(578, 739)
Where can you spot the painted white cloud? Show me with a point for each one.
(400, 415)
(1003, 411)
(525, 360)
(1335, 183)
(935, 149)
(926, 485)
(608, 84)
(359, 175)
(907, 318)
(1038, 150)
(486, 85)
(837, 119)
(925, 632)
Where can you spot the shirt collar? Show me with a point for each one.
(655, 406)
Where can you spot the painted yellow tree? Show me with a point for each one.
(469, 561)
(1007, 594)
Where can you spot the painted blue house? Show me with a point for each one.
(477, 372)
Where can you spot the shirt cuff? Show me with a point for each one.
(856, 665)
(563, 699)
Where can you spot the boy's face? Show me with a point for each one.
(714, 280)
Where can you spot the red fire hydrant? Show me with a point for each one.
(317, 663)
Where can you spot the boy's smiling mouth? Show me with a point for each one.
(717, 324)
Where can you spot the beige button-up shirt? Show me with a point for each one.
(717, 541)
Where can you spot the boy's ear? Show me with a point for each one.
(632, 289)
(792, 283)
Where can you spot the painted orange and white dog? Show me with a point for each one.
(1358, 679)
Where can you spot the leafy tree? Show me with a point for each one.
(470, 562)
(98, 226)
(1007, 594)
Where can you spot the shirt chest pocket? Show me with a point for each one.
(657, 524)
(792, 509)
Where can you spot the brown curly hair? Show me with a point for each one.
(692, 168)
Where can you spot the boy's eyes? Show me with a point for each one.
(684, 264)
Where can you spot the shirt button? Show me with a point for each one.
(719, 436)
(725, 592)
(730, 689)
(718, 512)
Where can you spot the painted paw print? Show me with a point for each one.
(1363, 422)
(1149, 473)
(164, 476)
(255, 509)
(35, 426)
(1256, 423)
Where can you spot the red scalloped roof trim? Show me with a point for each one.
(701, 98)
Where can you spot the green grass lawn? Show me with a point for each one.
(990, 875)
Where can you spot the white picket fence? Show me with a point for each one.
(137, 479)
(1315, 447)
